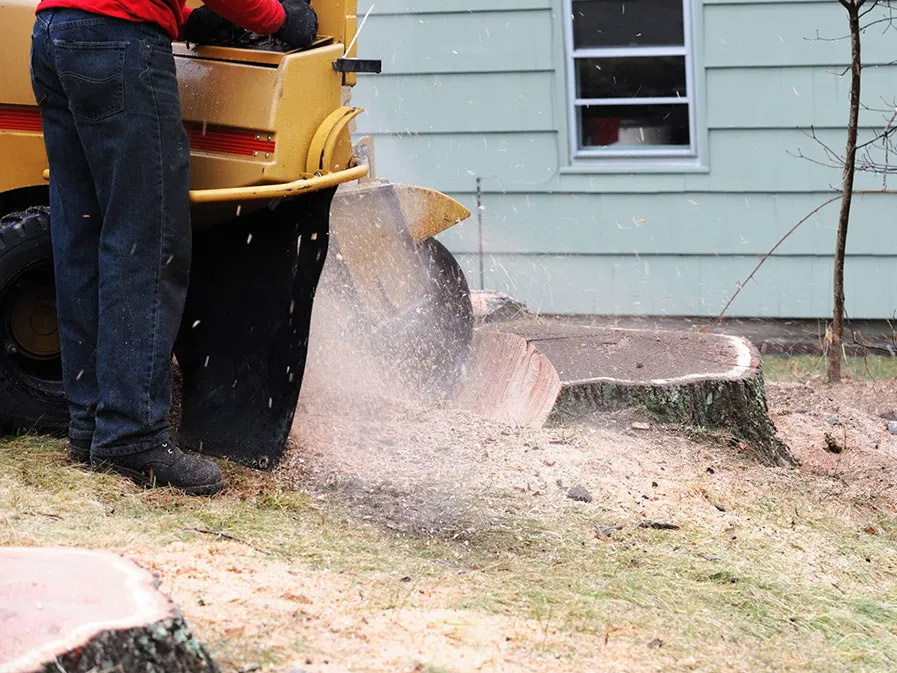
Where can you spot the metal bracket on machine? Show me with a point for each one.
(362, 65)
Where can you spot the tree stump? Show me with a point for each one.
(75, 610)
(508, 380)
(706, 380)
(491, 306)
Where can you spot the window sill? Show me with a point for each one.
(605, 166)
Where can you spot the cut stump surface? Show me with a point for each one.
(509, 380)
(78, 610)
(707, 380)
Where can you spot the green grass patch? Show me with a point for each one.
(789, 368)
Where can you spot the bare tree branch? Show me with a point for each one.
(769, 254)
(741, 285)
(801, 155)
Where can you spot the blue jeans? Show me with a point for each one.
(120, 220)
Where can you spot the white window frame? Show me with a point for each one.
(574, 103)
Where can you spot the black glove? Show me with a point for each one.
(204, 26)
(300, 24)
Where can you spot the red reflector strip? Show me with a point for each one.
(209, 139)
(20, 119)
(227, 141)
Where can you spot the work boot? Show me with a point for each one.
(166, 465)
(79, 451)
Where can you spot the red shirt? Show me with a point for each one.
(259, 16)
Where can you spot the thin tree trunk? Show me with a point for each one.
(833, 357)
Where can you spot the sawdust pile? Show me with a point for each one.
(841, 431)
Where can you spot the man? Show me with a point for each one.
(104, 78)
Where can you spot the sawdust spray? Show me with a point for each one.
(371, 428)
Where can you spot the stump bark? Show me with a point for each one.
(737, 406)
(76, 611)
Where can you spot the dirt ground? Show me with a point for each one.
(443, 474)
(840, 433)
(401, 536)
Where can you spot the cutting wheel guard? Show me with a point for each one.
(244, 338)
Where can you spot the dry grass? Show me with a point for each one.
(789, 577)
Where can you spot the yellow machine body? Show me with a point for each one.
(270, 142)
(255, 118)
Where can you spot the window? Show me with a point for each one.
(631, 84)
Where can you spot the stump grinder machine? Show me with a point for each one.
(270, 144)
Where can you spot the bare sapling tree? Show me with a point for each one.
(860, 157)
(836, 333)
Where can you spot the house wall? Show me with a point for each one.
(477, 88)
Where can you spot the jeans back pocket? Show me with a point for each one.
(92, 75)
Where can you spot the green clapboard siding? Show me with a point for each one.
(447, 103)
(448, 6)
(657, 224)
(750, 35)
(459, 42)
(477, 89)
(805, 97)
(684, 285)
(740, 160)
(452, 161)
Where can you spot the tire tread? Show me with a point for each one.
(27, 403)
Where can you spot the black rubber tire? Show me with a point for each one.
(30, 398)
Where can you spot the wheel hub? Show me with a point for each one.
(33, 326)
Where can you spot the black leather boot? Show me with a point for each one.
(166, 465)
(79, 451)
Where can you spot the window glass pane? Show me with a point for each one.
(648, 77)
(633, 126)
(627, 23)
